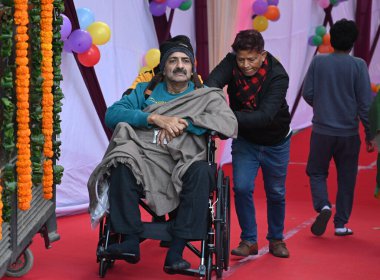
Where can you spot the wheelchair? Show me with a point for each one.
(214, 249)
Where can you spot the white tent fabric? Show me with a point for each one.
(133, 33)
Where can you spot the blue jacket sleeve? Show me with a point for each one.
(128, 109)
(308, 86)
(195, 129)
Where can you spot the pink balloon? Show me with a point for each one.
(323, 3)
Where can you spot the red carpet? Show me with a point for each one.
(328, 257)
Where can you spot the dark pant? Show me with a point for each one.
(345, 152)
(192, 212)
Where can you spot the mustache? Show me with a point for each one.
(180, 70)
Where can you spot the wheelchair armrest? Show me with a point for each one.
(216, 134)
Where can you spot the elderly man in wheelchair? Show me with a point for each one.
(158, 151)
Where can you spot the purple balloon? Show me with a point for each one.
(67, 46)
(65, 28)
(310, 41)
(273, 2)
(80, 41)
(174, 3)
(157, 9)
(259, 7)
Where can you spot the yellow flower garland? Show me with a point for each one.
(46, 35)
(23, 164)
(1, 214)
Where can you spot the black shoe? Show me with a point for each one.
(126, 250)
(177, 266)
(319, 226)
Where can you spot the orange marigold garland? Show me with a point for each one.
(47, 95)
(23, 164)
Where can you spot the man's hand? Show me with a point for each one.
(174, 126)
(370, 145)
(163, 135)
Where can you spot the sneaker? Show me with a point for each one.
(319, 226)
(278, 249)
(245, 249)
(343, 231)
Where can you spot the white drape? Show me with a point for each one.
(133, 33)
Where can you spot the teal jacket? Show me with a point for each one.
(130, 107)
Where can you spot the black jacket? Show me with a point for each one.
(269, 123)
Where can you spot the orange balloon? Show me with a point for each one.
(272, 13)
(326, 39)
(323, 49)
(373, 87)
(331, 49)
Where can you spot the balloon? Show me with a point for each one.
(317, 40)
(186, 5)
(378, 88)
(100, 32)
(152, 58)
(85, 17)
(323, 3)
(144, 69)
(90, 57)
(66, 27)
(273, 13)
(373, 87)
(320, 30)
(273, 2)
(259, 7)
(159, 1)
(334, 2)
(67, 46)
(326, 39)
(174, 3)
(260, 23)
(157, 9)
(80, 41)
(310, 41)
(323, 49)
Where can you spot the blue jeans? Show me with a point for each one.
(247, 158)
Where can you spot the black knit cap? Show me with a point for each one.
(179, 43)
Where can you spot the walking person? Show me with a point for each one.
(337, 86)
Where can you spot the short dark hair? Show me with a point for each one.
(343, 34)
(248, 40)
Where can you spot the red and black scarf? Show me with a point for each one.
(249, 87)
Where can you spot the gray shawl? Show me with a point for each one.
(159, 169)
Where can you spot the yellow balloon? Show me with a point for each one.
(152, 58)
(144, 69)
(100, 32)
(260, 23)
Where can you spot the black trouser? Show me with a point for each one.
(192, 212)
(345, 152)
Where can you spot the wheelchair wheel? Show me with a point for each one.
(227, 223)
(219, 226)
(209, 266)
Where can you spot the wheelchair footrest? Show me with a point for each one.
(157, 231)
